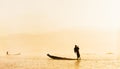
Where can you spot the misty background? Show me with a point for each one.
(43, 26)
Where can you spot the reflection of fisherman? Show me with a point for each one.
(76, 50)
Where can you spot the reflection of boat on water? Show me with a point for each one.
(60, 58)
(7, 53)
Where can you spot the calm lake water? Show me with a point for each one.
(19, 62)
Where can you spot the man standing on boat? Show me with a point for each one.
(7, 53)
(76, 50)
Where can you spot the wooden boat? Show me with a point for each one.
(60, 58)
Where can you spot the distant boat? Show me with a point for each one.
(7, 53)
(60, 58)
(109, 53)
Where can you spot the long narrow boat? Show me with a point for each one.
(7, 53)
(60, 58)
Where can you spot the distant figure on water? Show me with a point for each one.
(7, 53)
(76, 50)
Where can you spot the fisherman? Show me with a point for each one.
(76, 50)
(7, 53)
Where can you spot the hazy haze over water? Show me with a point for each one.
(38, 27)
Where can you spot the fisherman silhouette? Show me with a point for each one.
(7, 53)
(76, 50)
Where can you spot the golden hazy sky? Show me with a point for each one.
(36, 16)
(41, 16)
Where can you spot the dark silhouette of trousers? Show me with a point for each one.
(78, 54)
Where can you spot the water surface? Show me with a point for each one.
(19, 62)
